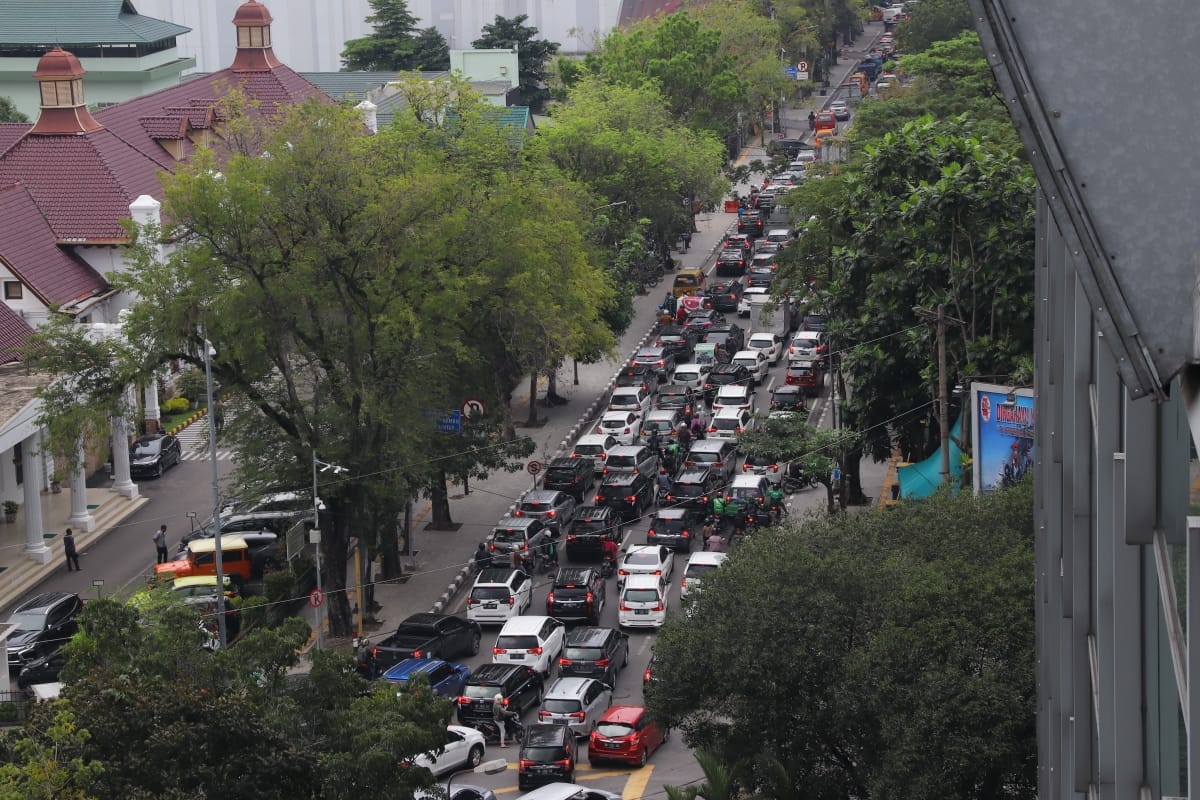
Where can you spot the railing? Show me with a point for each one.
(14, 707)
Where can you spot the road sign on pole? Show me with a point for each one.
(801, 70)
(473, 406)
(315, 598)
(450, 422)
(533, 467)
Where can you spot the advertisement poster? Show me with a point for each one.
(1002, 430)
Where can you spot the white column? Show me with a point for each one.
(152, 410)
(80, 518)
(122, 484)
(35, 544)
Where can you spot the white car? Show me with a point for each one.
(807, 346)
(643, 602)
(532, 641)
(463, 749)
(734, 395)
(620, 425)
(646, 559)
(595, 446)
(691, 375)
(752, 297)
(730, 423)
(771, 344)
(755, 361)
(698, 564)
(499, 594)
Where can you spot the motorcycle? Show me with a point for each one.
(514, 730)
(608, 567)
(793, 483)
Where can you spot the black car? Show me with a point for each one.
(725, 296)
(704, 318)
(789, 147)
(571, 475)
(44, 669)
(788, 398)
(676, 528)
(675, 396)
(694, 488)
(814, 322)
(731, 261)
(548, 755)
(728, 335)
(641, 375)
(751, 223)
(594, 525)
(626, 493)
(598, 653)
(678, 340)
(41, 624)
(153, 455)
(725, 375)
(760, 276)
(765, 201)
(520, 686)
(579, 593)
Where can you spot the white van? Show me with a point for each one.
(643, 602)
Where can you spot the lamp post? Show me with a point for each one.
(216, 488)
(493, 767)
(314, 537)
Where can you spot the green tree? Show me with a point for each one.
(901, 656)
(532, 54)
(9, 112)
(933, 21)
(391, 47)
(815, 450)
(38, 764)
(430, 50)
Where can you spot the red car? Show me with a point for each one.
(625, 733)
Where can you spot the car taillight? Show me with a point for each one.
(543, 714)
(685, 534)
(418, 654)
(574, 455)
(658, 572)
(598, 498)
(552, 514)
(646, 675)
(550, 599)
(579, 715)
(627, 430)
(498, 651)
(523, 764)
(624, 607)
(739, 430)
(464, 701)
(374, 652)
(602, 456)
(492, 547)
(518, 513)
(774, 468)
(570, 537)
(602, 472)
(470, 602)
(670, 497)
(712, 430)
(564, 662)
(718, 464)
(657, 608)
(511, 600)
(622, 572)
(590, 599)
(650, 532)
(537, 651)
(631, 499)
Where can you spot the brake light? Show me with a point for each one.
(598, 498)
(622, 572)
(774, 468)
(627, 430)
(602, 472)
(464, 701)
(712, 430)
(418, 654)
(718, 464)
(523, 764)
(374, 652)
(658, 572)
(590, 599)
(579, 715)
(552, 514)
(650, 532)
(570, 537)
(624, 607)
(646, 675)
(498, 651)
(631, 499)
(543, 714)
(602, 456)
(564, 662)
(492, 547)
(537, 651)
(657, 608)
(685, 534)
(518, 513)
(550, 599)
(574, 455)
(470, 602)
(511, 599)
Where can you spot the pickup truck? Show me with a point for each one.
(420, 636)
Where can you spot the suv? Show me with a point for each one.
(656, 358)
(555, 509)
(676, 528)
(694, 488)
(548, 755)
(751, 223)
(725, 296)
(731, 261)
(516, 533)
(677, 341)
(724, 375)
(499, 594)
(579, 593)
(532, 640)
(639, 375)
(636, 458)
(727, 334)
(42, 624)
(576, 703)
(593, 526)
(599, 653)
(520, 686)
(571, 475)
(626, 493)
(716, 454)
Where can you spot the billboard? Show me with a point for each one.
(1002, 427)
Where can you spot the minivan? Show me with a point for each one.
(744, 488)
(643, 602)
(534, 641)
(636, 458)
(716, 454)
(576, 703)
(630, 398)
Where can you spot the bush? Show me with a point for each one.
(191, 384)
(176, 405)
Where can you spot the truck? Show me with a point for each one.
(441, 636)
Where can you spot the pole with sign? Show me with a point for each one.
(801, 70)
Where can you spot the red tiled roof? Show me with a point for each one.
(165, 127)
(14, 334)
(637, 10)
(28, 248)
(83, 183)
(11, 133)
(198, 113)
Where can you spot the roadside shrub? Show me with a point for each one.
(176, 405)
(191, 384)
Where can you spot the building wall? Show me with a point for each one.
(486, 65)
(111, 80)
(309, 35)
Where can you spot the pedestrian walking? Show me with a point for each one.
(501, 715)
(812, 121)
(686, 239)
(218, 416)
(71, 553)
(160, 544)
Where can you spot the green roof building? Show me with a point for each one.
(126, 55)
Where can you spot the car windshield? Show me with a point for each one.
(723, 377)
(149, 447)
(614, 730)
(747, 362)
(613, 423)
(686, 280)
(685, 374)
(583, 653)
(688, 489)
(615, 490)
(28, 621)
(695, 570)
(511, 642)
(509, 535)
(560, 705)
(668, 525)
(544, 754)
(641, 595)
(640, 558)
(589, 449)
(622, 461)
(481, 593)
(657, 425)
(557, 474)
(536, 507)
(746, 492)
(727, 423)
(480, 692)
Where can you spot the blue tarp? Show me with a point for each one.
(923, 479)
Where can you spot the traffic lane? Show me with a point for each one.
(124, 557)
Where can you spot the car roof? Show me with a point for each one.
(637, 548)
(628, 449)
(786, 389)
(209, 544)
(735, 388)
(663, 413)
(524, 623)
(573, 576)
(593, 438)
(752, 354)
(592, 512)
(494, 575)
(693, 472)
(707, 557)
(616, 414)
(642, 581)
(516, 522)
(748, 480)
(492, 673)
(411, 666)
(762, 335)
(671, 513)
(614, 478)
(44, 600)
(729, 411)
(567, 687)
(541, 495)
(710, 444)
(627, 714)
(587, 636)
(556, 791)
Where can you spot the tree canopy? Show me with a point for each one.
(9, 112)
(533, 54)
(873, 654)
(396, 44)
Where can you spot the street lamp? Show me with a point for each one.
(609, 205)
(216, 488)
(314, 536)
(494, 767)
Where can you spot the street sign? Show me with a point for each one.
(801, 70)
(315, 598)
(791, 72)
(473, 406)
(533, 467)
(450, 422)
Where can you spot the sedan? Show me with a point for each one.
(154, 454)
(755, 361)
(646, 559)
(730, 423)
(621, 425)
(769, 344)
(841, 111)
(463, 750)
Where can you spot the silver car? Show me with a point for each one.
(554, 508)
(577, 703)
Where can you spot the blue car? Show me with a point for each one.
(445, 678)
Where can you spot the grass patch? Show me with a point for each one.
(169, 421)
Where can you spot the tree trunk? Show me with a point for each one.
(333, 576)
(389, 548)
(830, 498)
(439, 499)
(533, 418)
(551, 388)
(850, 473)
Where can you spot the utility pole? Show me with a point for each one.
(940, 319)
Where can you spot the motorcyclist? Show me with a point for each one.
(483, 557)
(608, 551)
(775, 497)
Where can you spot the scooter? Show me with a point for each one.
(514, 730)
